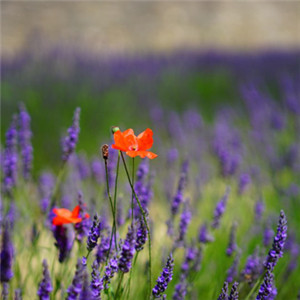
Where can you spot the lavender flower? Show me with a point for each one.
(45, 286)
(244, 182)
(178, 199)
(204, 236)
(25, 141)
(96, 282)
(76, 286)
(268, 235)
(97, 170)
(220, 209)
(64, 242)
(164, 279)
(234, 295)
(94, 235)
(141, 236)
(82, 228)
(233, 270)
(71, 139)
(266, 287)
(253, 268)
(18, 294)
(85, 293)
(232, 246)
(5, 290)
(7, 255)
(102, 249)
(10, 159)
(180, 290)
(46, 184)
(259, 209)
(127, 251)
(278, 243)
(185, 220)
(110, 270)
(224, 292)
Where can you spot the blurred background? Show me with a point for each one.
(124, 62)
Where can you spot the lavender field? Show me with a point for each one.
(150, 177)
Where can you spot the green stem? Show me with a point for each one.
(112, 208)
(115, 199)
(132, 196)
(131, 274)
(145, 220)
(119, 285)
(57, 184)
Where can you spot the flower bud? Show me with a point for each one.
(105, 151)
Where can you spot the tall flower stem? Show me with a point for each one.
(112, 209)
(115, 198)
(58, 182)
(132, 196)
(145, 220)
(131, 274)
(119, 285)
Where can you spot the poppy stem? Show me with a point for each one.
(112, 208)
(132, 196)
(145, 220)
(115, 199)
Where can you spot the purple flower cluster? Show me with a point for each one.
(232, 246)
(10, 159)
(45, 286)
(96, 282)
(233, 270)
(25, 141)
(185, 220)
(71, 139)
(75, 288)
(7, 255)
(141, 236)
(244, 182)
(82, 228)
(266, 288)
(278, 243)
(94, 235)
(110, 270)
(127, 251)
(164, 278)
(220, 209)
(233, 295)
(64, 242)
(253, 268)
(224, 292)
(204, 236)
(102, 249)
(46, 184)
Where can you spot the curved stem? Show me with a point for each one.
(132, 196)
(145, 220)
(111, 206)
(115, 200)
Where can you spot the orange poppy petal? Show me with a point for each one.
(120, 142)
(62, 212)
(75, 212)
(145, 140)
(142, 154)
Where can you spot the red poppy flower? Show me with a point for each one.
(134, 145)
(65, 216)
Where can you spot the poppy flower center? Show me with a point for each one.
(133, 148)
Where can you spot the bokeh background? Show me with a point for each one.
(120, 60)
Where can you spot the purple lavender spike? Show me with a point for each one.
(224, 292)
(185, 220)
(253, 268)
(259, 210)
(244, 182)
(64, 242)
(82, 228)
(97, 170)
(268, 235)
(102, 249)
(5, 291)
(266, 287)
(164, 278)
(180, 290)
(94, 235)
(86, 292)
(141, 236)
(110, 270)
(127, 252)
(71, 139)
(46, 184)
(278, 243)
(83, 167)
(232, 246)
(178, 199)
(234, 295)
(96, 282)
(76, 286)
(25, 142)
(45, 286)
(204, 236)
(7, 255)
(172, 156)
(233, 270)
(18, 294)
(10, 159)
(220, 209)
